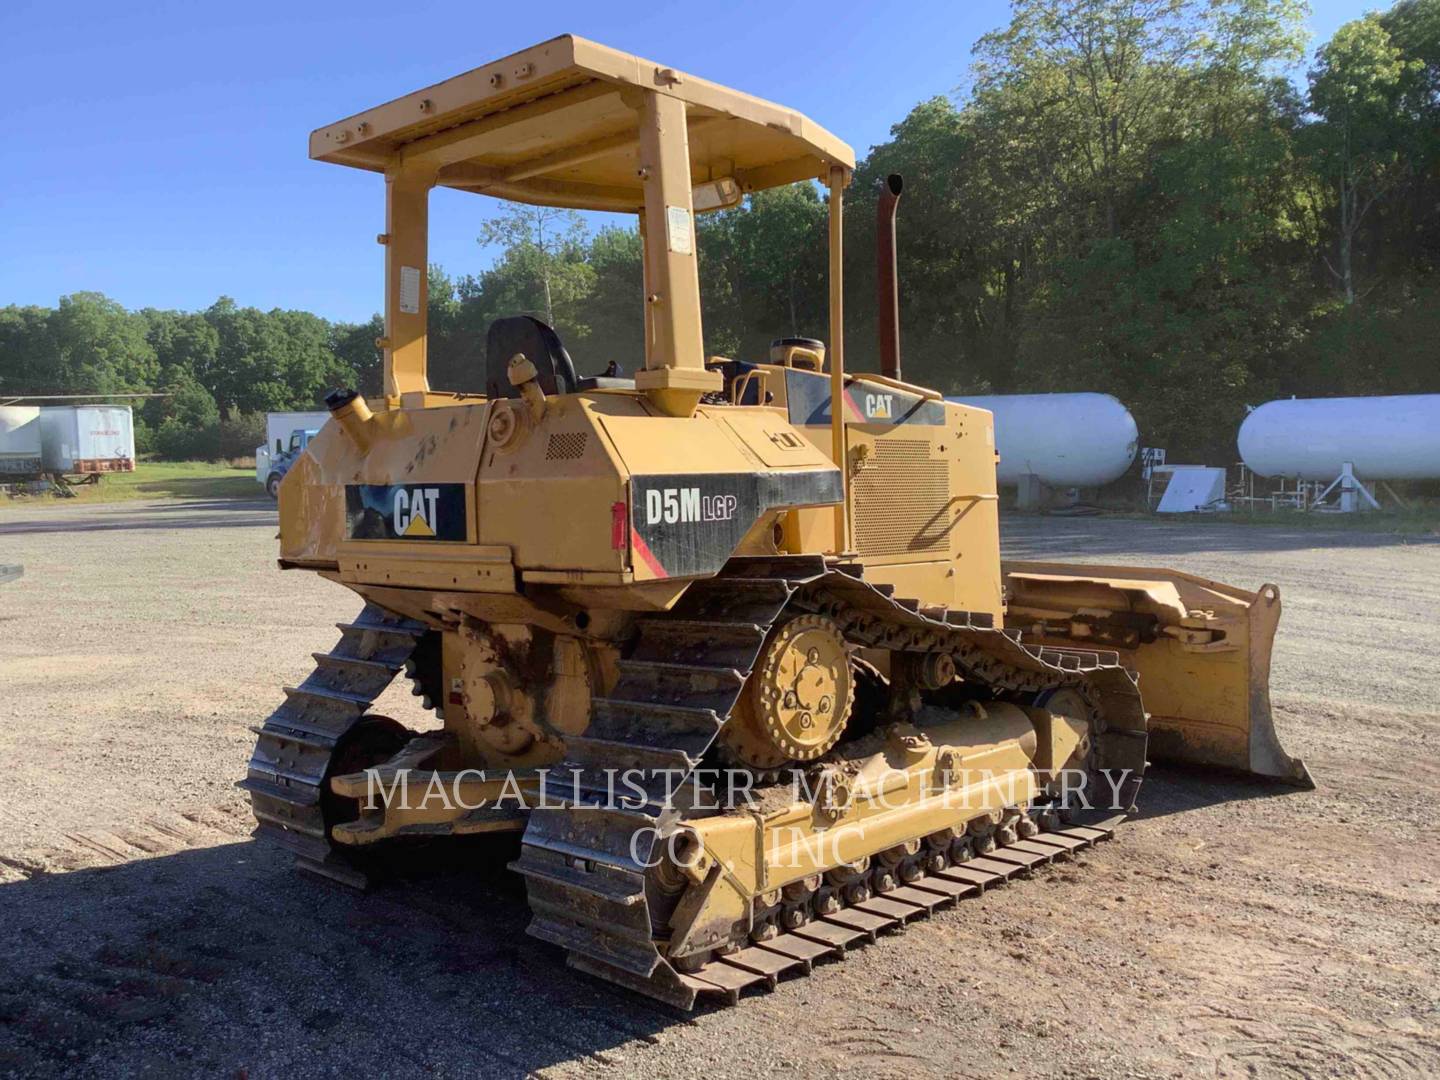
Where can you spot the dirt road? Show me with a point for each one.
(1231, 930)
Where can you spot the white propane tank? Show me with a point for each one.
(1383, 438)
(1064, 440)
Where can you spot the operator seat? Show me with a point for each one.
(541, 346)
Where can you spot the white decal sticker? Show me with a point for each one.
(414, 511)
(676, 505)
(409, 290)
(879, 406)
(677, 221)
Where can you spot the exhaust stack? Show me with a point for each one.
(887, 276)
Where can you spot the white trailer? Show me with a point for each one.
(278, 428)
(87, 440)
(19, 442)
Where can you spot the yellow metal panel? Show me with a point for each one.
(836, 181)
(924, 516)
(671, 254)
(769, 436)
(969, 440)
(407, 223)
(550, 495)
(663, 444)
(404, 446)
(559, 100)
(478, 569)
(1205, 678)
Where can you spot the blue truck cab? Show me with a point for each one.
(285, 457)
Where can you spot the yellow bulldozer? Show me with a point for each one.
(729, 644)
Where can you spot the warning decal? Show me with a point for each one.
(681, 236)
(409, 290)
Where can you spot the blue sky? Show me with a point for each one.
(156, 151)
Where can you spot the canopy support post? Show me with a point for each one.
(674, 375)
(836, 182)
(406, 240)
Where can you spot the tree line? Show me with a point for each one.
(1127, 196)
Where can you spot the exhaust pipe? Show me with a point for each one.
(887, 276)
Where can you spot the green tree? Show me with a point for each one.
(1366, 145)
(95, 346)
(763, 271)
(612, 311)
(353, 345)
(25, 350)
(186, 347)
(544, 249)
(270, 360)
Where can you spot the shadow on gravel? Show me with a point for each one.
(192, 506)
(1038, 537)
(226, 961)
(1170, 790)
(220, 515)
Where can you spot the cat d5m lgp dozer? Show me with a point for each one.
(730, 641)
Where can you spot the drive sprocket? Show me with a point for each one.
(797, 700)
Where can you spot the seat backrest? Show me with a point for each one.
(541, 346)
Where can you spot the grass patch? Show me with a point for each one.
(166, 480)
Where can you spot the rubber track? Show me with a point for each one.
(292, 756)
(586, 880)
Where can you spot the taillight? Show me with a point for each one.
(619, 526)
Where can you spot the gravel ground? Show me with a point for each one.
(1232, 929)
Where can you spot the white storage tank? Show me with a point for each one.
(87, 439)
(19, 441)
(1063, 440)
(1383, 438)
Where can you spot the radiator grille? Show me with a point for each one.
(901, 500)
(566, 446)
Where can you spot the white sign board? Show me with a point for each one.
(1191, 488)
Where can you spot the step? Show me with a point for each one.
(411, 630)
(326, 694)
(312, 740)
(269, 789)
(588, 752)
(378, 667)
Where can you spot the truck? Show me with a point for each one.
(86, 440)
(286, 435)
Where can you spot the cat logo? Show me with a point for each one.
(414, 512)
(405, 512)
(879, 406)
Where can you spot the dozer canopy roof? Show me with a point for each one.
(558, 125)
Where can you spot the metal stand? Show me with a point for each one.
(1351, 492)
(1029, 493)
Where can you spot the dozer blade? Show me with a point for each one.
(1200, 648)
